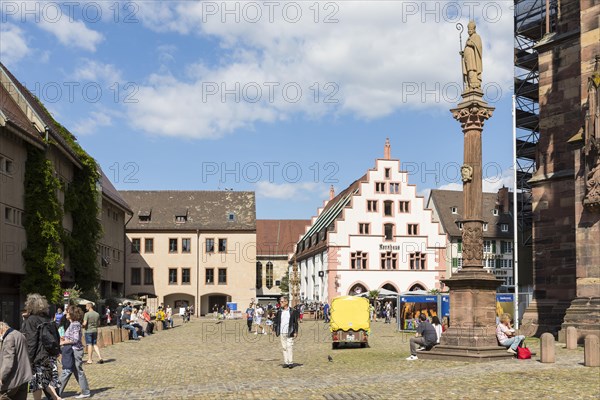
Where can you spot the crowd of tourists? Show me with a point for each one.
(30, 358)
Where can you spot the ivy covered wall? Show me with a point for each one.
(43, 223)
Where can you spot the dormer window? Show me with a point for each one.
(460, 225)
(230, 217)
(181, 215)
(454, 210)
(495, 212)
(145, 215)
(504, 227)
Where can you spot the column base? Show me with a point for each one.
(465, 353)
(584, 315)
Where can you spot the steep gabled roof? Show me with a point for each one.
(13, 116)
(113, 194)
(445, 200)
(334, 208)
(206, 210)
(278, 236)
(56, 131)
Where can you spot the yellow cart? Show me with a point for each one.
(350, 322)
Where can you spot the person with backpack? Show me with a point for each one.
(249, 317)
(71, 344)
(43, 347)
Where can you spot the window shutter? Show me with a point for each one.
(494, 247)
(455, 262)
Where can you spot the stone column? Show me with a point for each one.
(472, 332)
(294, 283)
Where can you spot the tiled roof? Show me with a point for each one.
(278, 236)
(206, 210)
(109, 190)
(43, 114)
(333, 208)
(16, 116)
(444, 200)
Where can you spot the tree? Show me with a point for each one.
(284, 285)
(373, 295)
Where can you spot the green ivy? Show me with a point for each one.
(81, 200)
(43, 226)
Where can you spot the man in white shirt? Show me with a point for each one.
(286, 327)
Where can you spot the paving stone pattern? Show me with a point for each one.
(206, 359)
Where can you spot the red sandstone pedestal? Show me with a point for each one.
(472, 332)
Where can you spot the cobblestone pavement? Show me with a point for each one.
(209, 360)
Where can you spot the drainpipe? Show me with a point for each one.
(124, 255)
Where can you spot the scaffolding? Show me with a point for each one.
(533, 20)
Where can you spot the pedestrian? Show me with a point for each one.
(215, 311)
(107, 316)
(258, 317)
(191, 312)
(15, 368)
(90, 323)
(249, 317)
(169, 314)
(119, 314)
(43, 365)
(301, 309)
(426, 336)
(58, 316)
(71, 342)
(326, 312)
(435, 321)
(286, 327)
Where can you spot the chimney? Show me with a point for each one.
(503, 200)
(387, 150)
(331, 192)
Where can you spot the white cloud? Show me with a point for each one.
(91, 124)
(291, 191)
(72, 33)
(378, 58)
(91, 70)
(13, 45)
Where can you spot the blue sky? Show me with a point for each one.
(283, 98)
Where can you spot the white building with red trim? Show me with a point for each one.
(375, 234)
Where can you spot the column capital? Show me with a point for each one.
(472, 113)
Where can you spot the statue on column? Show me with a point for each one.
(472, 60)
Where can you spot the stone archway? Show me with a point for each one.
(356, 289)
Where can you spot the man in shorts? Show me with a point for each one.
(90, 323)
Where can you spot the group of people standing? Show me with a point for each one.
(29, 361)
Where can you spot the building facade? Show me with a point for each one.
(25, 122)
(498, 256)
(566, 227)
(275, 242)
(191, 248)
(375, 234)
(111, 252)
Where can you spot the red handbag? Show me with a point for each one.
(523, 353)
